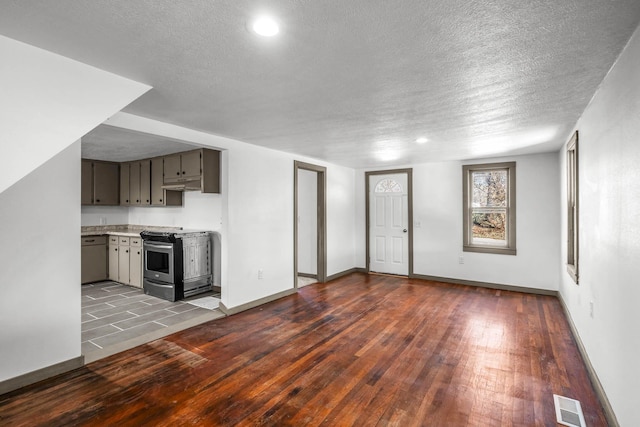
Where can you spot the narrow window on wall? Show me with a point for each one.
(572, 207)
(489, 204)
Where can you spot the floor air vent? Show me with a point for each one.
(568, 412)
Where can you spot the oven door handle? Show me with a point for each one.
(155, 245)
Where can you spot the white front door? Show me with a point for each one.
(388, 224)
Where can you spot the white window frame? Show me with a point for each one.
(468, 246)
(572, 207)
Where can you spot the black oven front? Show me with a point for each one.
(163, 270)
(159, 260)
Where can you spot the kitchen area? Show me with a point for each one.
(150, 241)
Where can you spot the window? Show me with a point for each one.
(388, 185)
(572, 207)
(489, 203)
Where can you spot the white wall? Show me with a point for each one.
(259, 224)
(307, 221)
(199, 211)
(104, 215)
(48, 102)
(437, 206)
(257, 212)
(341, 218)
(609, 217)
(40, 267)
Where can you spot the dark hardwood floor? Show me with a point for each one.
(361, 350)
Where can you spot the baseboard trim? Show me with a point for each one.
(40, 374)
(252, 304)
(346, 273)
(489, 285)
(612, 420)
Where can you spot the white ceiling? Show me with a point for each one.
(122, 145)
(351, 82)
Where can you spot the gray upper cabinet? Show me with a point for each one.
(172, 168)
(106, 183)
(100, 183)
(124, 184)
(151, 182)
(182, 167)
(160, 196)
(134, 183)
(193, 170)
(157, 179)
(191, 165)
(87, 183)
(139, 183)
(145, 182)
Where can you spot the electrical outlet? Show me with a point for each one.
(591, 309)
(461, 260)
(260, 274)
(103, 220)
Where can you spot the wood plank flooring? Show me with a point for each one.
(361, 350)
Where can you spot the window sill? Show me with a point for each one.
(489, 250)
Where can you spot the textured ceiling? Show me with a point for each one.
(351, 82)
(121, 145)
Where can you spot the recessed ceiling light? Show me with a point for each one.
(421, 140)
(387, 155)
(265, 26)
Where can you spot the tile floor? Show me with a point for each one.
(306, 281)
(116, 317)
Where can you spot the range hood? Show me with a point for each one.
(195, 185)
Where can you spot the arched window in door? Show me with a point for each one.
(388, 185)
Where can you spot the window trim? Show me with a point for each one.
(467, 246)
(573, 207)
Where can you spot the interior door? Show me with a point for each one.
(388, 224)
(307, 222)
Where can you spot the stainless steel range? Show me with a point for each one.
(177, 264)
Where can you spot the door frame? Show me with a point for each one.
(409, 173)
(321, 218)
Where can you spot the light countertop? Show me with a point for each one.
(127, 230)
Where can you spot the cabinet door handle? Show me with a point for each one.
(127, 201)
(147, 200)
(116, 249)
(183, 172)
(138, 252)
(90, 240)
(137, 201)
(127, 251)
(177, 173)
(97, 200)
(160, 200)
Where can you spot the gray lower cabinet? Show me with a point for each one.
(113, 258)
(93, 265)
(135, 262)
(125, 260)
